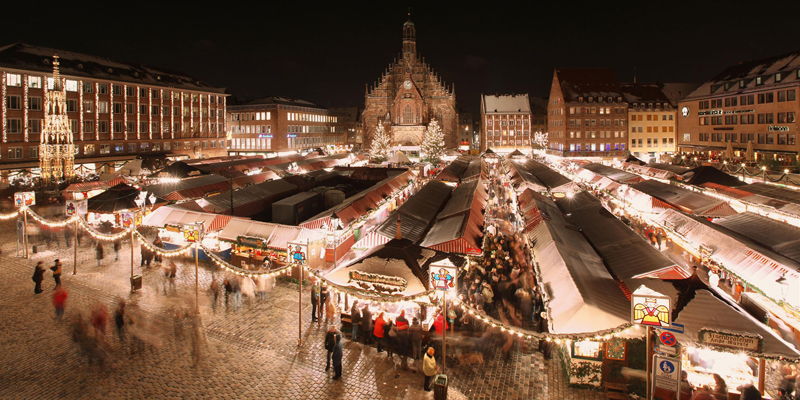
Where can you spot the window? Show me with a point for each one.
(130, 126)
(129, 91)
(71, 85)
(765, 98)
(142, 109)
(15, 152)
(118, 126)
(13, 102)
(155, 93)
(102, 126)
(142, 92)
(116, 89)
(88, 106)
(88, 87)
(778, 77)
(13, 79)
(155, 109)
(747, 119)
(35, 82)
(131, 147)
(88, 149)
(34, 125)
(759, 80)
(35, 103)
(119, 148)
(102, 107)
(88, 126)
(117, 108)
(73, 125)
(130, 108)
(33, 152)
(105, 148)
(13, 125)
(142, 126)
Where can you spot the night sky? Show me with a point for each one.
(327, 54)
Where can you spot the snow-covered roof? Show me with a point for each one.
(505, 104)
(36, 58)
(742, 76)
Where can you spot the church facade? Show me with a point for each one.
(407, 96)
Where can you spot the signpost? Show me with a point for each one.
(651, 309)
(667, 373)
(76, 207)
(192, 235)
(297, 253)
(443, 278)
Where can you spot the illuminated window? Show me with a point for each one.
(13, 79)
(35, 82)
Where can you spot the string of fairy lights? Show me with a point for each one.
(367, 295)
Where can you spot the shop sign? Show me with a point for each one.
(191, 233)
(368, 277)
(73, 207)
(710, 112)
(667, 371)
(173, 228)
(443, 275)
(126, 218)
(297, 252)
(253, 242)
(24, 198)
(650, 308)
(775, 128)
(731, 340)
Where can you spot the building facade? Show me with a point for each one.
(651, 121)
(407, 96)
(116, 111)
(279, 124)
(751, 102)
(506, 123)
(347, 123)
(586, 114)
(539, 114)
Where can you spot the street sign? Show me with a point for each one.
(24, 199)
(73, 207)
(673, 327)
(667, 372)
(297, 253)
(668, 339)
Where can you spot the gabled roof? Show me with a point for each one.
(779, 237)
(418, 213)
(743, 75)
(36, 58)
(278, 100)
(598, 83)
(505, 104)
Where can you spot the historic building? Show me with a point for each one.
(586, 114)
(506, 122)
(752, 102)
(115, 111)
(407, 96)
(279, 124)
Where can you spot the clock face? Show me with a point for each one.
(685, 111)
(407, 84)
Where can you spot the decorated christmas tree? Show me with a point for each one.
(432, 147)
(381, 144)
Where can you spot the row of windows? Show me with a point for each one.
(505, 132)
(749, 119)
(71, 85)
(251, 116)
(749, 99)
(14, 102)
(293, 116)
(653, 142)
(760, 138)
(652, 117)
(597, 110)
(652, 129)
(17, 152)
(575, 122)
(251, 144)
(597, 147)
(310, 129)
(504, 123)
(500, 142)
(14, 125)
(760, 80)
(239, 129)
(596, 134)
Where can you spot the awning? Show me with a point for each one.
(372, 239)
(177, 216)
(277, 236)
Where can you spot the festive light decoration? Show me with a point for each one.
(56, 150)
(367, 295)
(243, 272)
(58, 224)
(10, 215)
(102, 236)
(163, 252)
(381, 143)
(432, 146)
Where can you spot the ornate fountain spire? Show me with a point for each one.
(56, 148)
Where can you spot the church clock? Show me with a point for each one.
(407, 84)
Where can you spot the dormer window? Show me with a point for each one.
(580, 99)
(759, 81)
(778, 76)
(590, 99)
(741, 83)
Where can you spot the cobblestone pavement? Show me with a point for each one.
(251, 353)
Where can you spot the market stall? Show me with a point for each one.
(171, 221)
(256, 244)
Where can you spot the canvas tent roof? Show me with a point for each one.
(685, 199)
(703, 174)
(546, 175)
(178, 216)
(457, 228)
(277, 236)
(781, 238)
(612, 173)
(418, 212)
(178, 169)
(187, 186)
(117, 198)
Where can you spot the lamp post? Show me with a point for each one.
(140, 201)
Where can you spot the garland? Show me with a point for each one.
(367, 295)
(239, 271)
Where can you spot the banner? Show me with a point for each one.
(79, 207)
(24, 199)
(297, 253)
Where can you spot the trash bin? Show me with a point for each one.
(440, 387)
(136, 282)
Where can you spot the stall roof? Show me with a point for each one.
(546, 175)
(676, 169)
(398, 257)
(704, 174)
(93, 185)
(685, 199)
(277, 236)
(177, 216)
(627, 255)
(187, 184)
(250, 194)
(462, 168)
(774, 191)
(706, 311)
(781, 238)
(458, 226)
(612, 173)
(178, 169)
(117, 198)
(523, 176)
(418, 212)
(581, 295)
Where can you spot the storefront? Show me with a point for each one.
(171, 223)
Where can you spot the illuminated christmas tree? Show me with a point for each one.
(432, 147)
(381, 144)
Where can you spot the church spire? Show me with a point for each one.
(409, 40)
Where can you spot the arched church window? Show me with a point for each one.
(408, 115)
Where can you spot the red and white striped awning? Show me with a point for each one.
(219, 222)
(373, 239)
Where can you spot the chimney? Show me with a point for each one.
(398, 233)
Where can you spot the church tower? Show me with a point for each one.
(56, 149)
(409, 42)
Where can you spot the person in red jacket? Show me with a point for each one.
(440, 324)
(59, 301)
(378, 332)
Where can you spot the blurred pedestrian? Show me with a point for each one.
(98, 253)
(378, 332)
(173, 273)
(415, 338)
(117, 246)
(355, 320)
(38, 277)
(248, 289)
(315, 293)
(59, 301)
(158, 244)
(147, 256)
(337, 358)
(228, 291)
(429, 368)
(331, 337)
(330, 311)
(214, 291)
(67, 236)
(262, 283)
(323, 300)
(119, 320)
(366, 323)
(57, 269)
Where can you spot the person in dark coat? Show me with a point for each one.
(332, 337)
(57, 269)
(366, 323)
(315, 291)
(98, 253)
(323, 299)
(38, 277)
(158, 245)
(117, 246)
(355, 320)
(337, 358)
